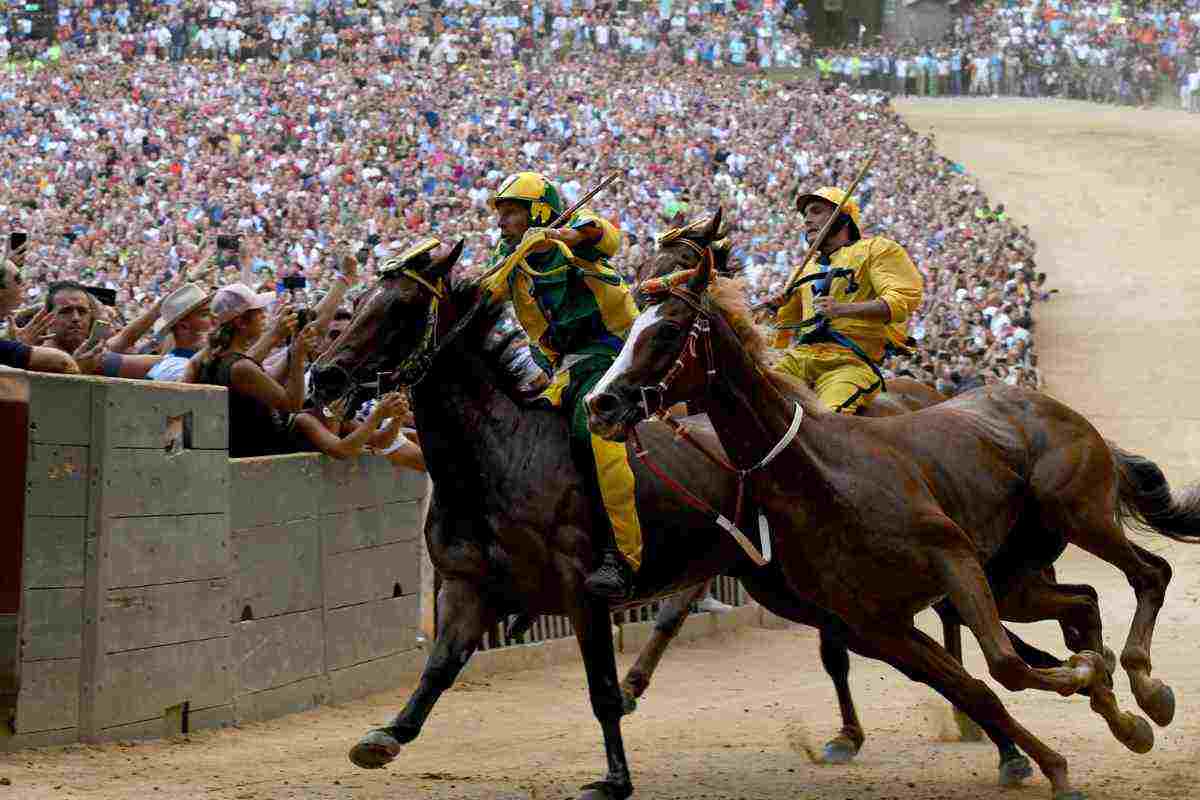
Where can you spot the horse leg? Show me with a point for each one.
(769, 592)
(462, 618)
(919, 657)
(671, 616)
(972, 598)
(1076, 607)
(968, 731)
(593, 631)
(1148, 574)
(1078, 497)
(836, 659)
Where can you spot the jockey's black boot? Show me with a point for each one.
(613, 579)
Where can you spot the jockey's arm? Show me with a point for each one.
(589, 233)
(895, 281)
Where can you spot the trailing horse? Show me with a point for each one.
(998, 472)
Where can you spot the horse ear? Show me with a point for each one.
(439, 268)
(704, 272)
(712, 231)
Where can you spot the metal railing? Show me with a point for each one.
(546, 628)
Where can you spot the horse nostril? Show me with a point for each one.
(603, 404)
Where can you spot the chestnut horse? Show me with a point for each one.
(1025, 596)
(875, 519)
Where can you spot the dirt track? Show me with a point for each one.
(1112, 198)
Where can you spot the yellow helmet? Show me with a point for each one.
(830, 194)
(535, 189)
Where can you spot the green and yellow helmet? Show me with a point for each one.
(536, 190)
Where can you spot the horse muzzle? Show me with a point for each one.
(610, 417)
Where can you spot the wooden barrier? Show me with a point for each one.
(157, 587)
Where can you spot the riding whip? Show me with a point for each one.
(581, 202)
(815, 246)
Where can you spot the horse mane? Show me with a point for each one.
(502, 341)
(728, 296)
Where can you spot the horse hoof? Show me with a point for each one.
(1015, 770)
(1074, 794)
(604, 790)
(1160, 705)
(375, 750)
(839, 751)
(968, 731)
(1141, 738)
(628, 703)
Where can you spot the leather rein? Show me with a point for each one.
(699, 338)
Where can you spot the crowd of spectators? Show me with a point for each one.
(1111, 52)
(147, 184)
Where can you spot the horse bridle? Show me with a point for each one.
(701, 331)
(417, 364)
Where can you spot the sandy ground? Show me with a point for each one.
(1112, 198)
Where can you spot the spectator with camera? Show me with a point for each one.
(20, 352)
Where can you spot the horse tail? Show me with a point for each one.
(1145, 498)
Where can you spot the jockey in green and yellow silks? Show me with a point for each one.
(577, 311)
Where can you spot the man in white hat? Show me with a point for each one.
(187, 318)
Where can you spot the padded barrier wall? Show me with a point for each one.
(165, 588)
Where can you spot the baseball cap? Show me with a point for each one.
(230, 302)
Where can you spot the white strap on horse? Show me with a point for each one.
(792, 430)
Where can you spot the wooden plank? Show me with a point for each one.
(52, 624)
(49, 697)
(136, 413)
(350, 483)
(53, 551)
(274, 489)
(157, 615)
(372, 573)
(357, 528)
(61, 411)
(55, 738)
(141, 684)
(152, 482)
(355, 634)
(148, 550)
(57, 481)
(378, 675)
(287, 699)
(277, 569)
(277, 651)
(399, 485)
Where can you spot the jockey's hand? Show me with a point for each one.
(827, 307)
(544, 234)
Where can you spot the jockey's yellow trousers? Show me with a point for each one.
(604, 464)
(842, 380)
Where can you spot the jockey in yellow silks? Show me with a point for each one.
(577, 312)
(848, 307)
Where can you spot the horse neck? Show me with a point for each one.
(750, 414)
(466, 421)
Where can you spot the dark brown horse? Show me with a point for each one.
(932, 495)
(508, 528)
